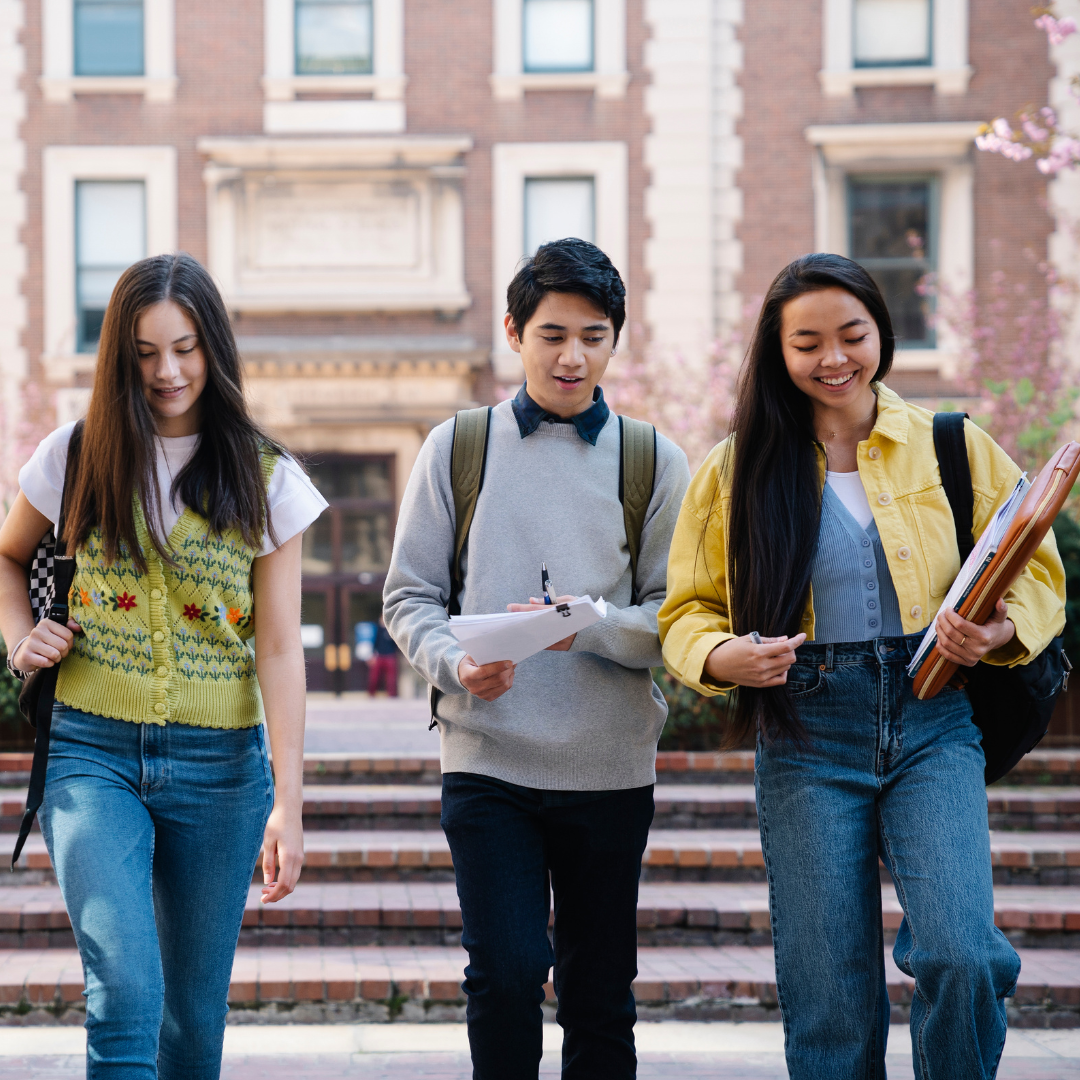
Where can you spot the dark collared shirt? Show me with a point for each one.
(589, 423)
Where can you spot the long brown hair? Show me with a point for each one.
(775, 508)
(223, 479)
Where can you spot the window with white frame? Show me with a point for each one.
(892, 223)
(110, 235)
(559, 45)
(108, 47)
(557, 35)
(892, 32)
(103, 208)
(558, 207)
(108, 37)
(894, 43)
(334, 37)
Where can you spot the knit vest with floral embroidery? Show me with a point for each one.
(172, 644)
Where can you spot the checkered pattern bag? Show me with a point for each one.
(42, 577)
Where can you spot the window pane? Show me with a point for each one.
(108, 37)
(892, 236)
(317, 549)
(555, 209)
(110, 234)
(892, 31)
(333, 37)
(558, 35)
(365, 542)
(356, 478)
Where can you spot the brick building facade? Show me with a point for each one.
(362, 177)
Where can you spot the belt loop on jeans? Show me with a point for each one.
(828, 657)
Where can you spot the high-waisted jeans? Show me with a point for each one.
(884, 775)
(154, 833)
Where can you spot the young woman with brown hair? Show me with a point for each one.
(822, 525)
(186, 522)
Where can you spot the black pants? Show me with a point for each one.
(508, 842)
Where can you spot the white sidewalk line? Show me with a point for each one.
(719, 1039)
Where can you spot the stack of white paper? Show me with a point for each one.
(979, 559)
(514, 635)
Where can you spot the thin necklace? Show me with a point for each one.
(832, 434)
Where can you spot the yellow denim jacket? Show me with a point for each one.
(899, 470)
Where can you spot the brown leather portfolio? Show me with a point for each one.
(1033, 519)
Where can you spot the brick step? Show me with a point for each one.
(678, 806)
(672, 855)
(1042, 767)
(393, 913)
(373, 982)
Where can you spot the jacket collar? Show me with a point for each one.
(589, 423)
(892, 415)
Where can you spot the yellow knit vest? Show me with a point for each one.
(170, 645)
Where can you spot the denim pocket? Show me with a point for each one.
(805, 680)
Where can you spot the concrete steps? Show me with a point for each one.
(732, 982)
(399, 913)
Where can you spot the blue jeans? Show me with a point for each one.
(884, 775)
(506, 841)
(154, 833)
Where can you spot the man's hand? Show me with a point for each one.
(967, 643)
(487, 681)
(539, 605)
(742, 662)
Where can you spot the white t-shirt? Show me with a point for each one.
(848, 486)
(294, 501)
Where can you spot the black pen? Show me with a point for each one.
(545, 585)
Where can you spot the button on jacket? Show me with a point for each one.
(899, 471)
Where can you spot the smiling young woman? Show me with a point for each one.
(821, 524)
(184, 519)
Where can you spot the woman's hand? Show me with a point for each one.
(47, 644)
(539, 605)
(740, 661)
(967, 643)
(282, 853)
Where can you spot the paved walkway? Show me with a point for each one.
(353, 721)
(438, 1052)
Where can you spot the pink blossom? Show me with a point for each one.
(1057, 30)
(1064, 154)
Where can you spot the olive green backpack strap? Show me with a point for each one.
(637, 473)
(467, 460)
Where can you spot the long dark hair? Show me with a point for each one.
(223, 480)
(775, 507)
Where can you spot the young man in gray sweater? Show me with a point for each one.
(548, 766)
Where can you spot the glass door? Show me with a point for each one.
(346, 554)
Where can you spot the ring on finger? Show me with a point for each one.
(962, 640)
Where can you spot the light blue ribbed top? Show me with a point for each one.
(854, 598)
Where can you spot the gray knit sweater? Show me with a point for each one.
(587, 719)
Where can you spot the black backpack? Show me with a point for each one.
(1011, 706)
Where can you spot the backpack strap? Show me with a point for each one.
(70, 471)
(467, 462)
(950, 445)
(637, 474)
(468, 459)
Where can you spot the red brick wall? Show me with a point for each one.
(448, 57)
(783, 55)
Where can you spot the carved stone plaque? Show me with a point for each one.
(353, 225)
